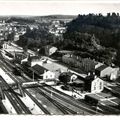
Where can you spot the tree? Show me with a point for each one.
(22, 42)
(64, 78)
(11, 36)
(88, 65)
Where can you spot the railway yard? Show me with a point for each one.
(18, 96)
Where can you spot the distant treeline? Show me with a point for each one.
(20, 20)
(105, 28)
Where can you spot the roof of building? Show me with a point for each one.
(65, 51)
(31, 58)
(55, 66)
(21, 55)
(102, 67)
(38, 69)
(52, 47)
(78, 81)
(100, 96)
(94, 96)
(103, 94)
(98, 64)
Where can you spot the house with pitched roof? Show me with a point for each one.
(44, 73)
(105, 70)
(93, 84)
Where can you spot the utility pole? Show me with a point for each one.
(97, 107)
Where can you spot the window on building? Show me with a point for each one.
(100, 85)
(95, 86)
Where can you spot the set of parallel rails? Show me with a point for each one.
(93, 111)
(107, 108)
(38, 104)
(16, 102)
(90, 110)
(21, 104)
(110, 109)
(70, 101)
(61, 107)
(77, 102)
(18, 99)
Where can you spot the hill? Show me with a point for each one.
(106, 30)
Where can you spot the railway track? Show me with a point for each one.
(110, 110)
(21, 104)
(69, 101)
(105, 109)
(83, 102)
(14, 103)
(39, 104)
(14, 99)
(61, 107)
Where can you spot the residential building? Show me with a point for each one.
(49, 50)
(107, 71)
(44, 73)
(93, 84)
(49, 75)
(52, 50)
(97, 85)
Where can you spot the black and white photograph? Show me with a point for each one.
(60, 57)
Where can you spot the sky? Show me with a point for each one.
(50, 7)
